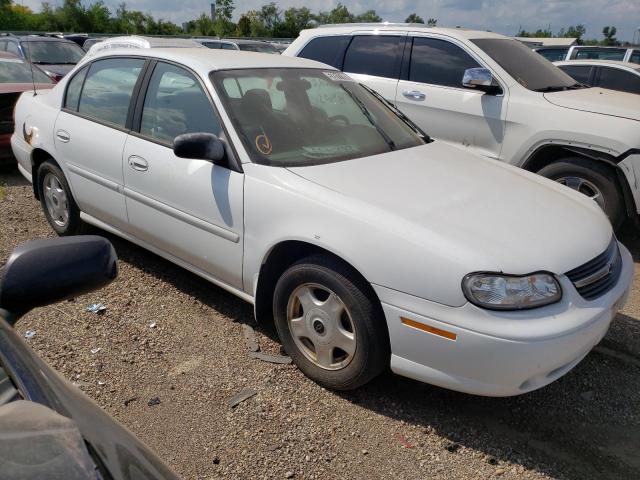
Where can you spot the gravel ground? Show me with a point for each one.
(170, 335)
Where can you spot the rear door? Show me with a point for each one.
(90, 133)
(191, 209)
(375, 60)
(432, 95)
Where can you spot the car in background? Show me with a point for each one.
(48, 427)
(244, 45)
(305, 193)
(552, 53)
(137, 41)
(590, 52)
(90, 42)
(621, 76)
(55, 56)
(16, 77)
(493, 95)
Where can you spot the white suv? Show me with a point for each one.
(495, 96)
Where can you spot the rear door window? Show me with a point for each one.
(580, 73)
(73, 90)
(438, 62)
(377, 55)
(108, 89)
(329, 50)
(621, 80)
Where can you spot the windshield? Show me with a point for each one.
(298, 117)
(257, 47)
(529, 69)
(53, 52)
(16, 71)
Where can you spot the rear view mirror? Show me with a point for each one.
(480, 79)
(199, 146)
(41, 272)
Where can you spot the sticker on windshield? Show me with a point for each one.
(263, 144)
(338, 76)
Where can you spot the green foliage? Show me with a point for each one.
(414, 18)
(609, 34)
(432, 22)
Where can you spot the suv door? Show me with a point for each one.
(90, 133)
(432, 95)
(375, 61)
(191, 209)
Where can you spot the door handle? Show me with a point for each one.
(63, 136)
(414, 94)
(138, 163)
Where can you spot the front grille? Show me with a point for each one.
(598, 276)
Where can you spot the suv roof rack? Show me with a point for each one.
(378, 24)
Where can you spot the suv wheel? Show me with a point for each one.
(331, 324)
(58, 204)
(592, 179)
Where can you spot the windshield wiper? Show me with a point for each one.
(561, 88)
(367, 114)
(425, 136)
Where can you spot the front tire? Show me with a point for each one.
(330, 323)
(57, 202)
(592, 179)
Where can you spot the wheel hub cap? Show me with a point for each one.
(321, 326)
(56, 201)
(585, 187)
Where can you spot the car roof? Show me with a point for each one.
(610, 63)
(335, 29)
(205, 60)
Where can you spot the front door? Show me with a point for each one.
(191, 209)
(432, 96)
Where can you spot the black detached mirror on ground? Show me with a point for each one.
(199, 146)
(41, 272)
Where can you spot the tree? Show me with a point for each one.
(432, 22)
(243, 29)
(370, 16)
(270, 17)
(340, 14)
(295, 20)
(99, 18)
(224, 12)
(414, 18)
(610, 39)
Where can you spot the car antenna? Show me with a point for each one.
(33, 78)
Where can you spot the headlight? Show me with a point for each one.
(499, 291)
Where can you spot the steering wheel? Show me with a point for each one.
(338, 118)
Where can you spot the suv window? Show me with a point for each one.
(175, 104)
(214, 45)
(73, 90)
(108, 89)
(228, 46)
(438, 62)
(12, 47)
(3, 45)
(329, 50)
(376, 55)
(553, 54)
(635, 56)
(620, 80)
(580, 73)
(600, 53)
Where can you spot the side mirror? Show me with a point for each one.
(199, 146)
(480, 79)
(41, 272)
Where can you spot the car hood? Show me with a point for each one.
(598, 100)
(467, 209)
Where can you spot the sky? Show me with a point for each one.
(503, 16)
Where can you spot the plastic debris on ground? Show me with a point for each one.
(29, 334)
(152, 325)
(245, 394)
(250, 338)
(270, 358)
(154, 401)
(95, 350)
(97, 308)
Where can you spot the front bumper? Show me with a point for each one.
(492, 353)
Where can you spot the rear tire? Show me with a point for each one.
(58, 204)
(331, 323)
(593, 179)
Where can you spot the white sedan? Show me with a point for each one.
(292, 186)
